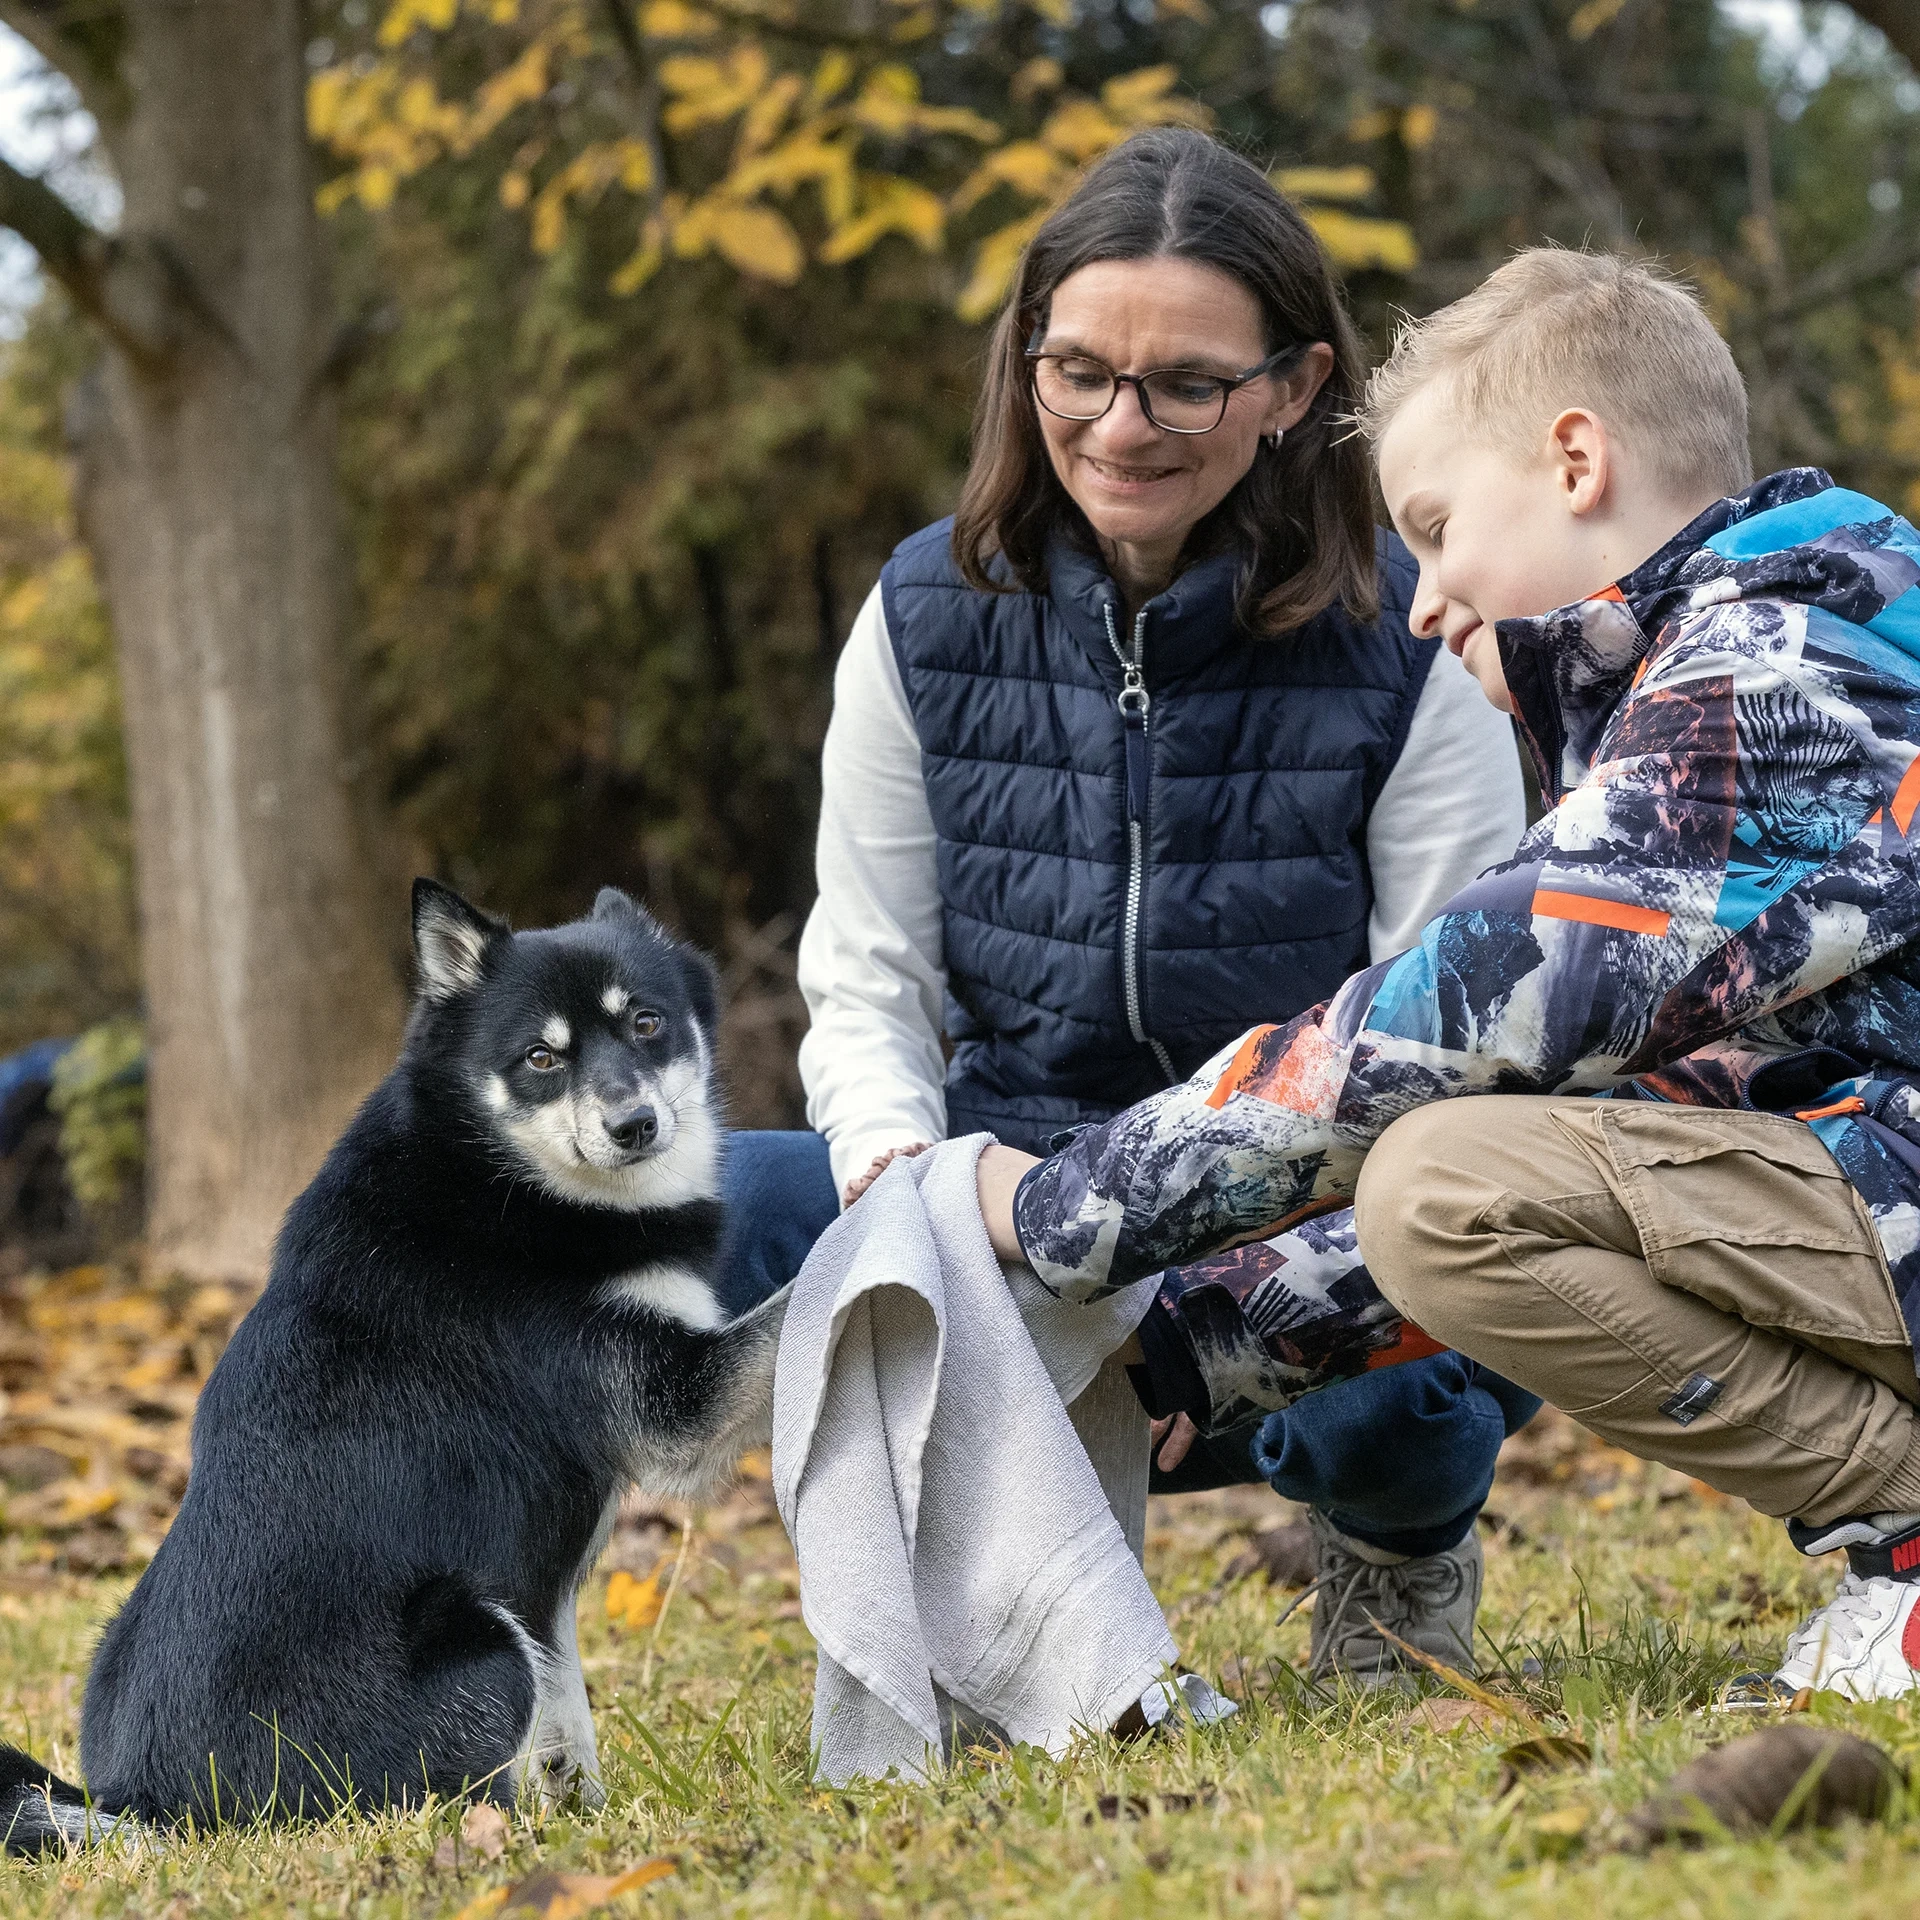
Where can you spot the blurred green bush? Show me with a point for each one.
(100, 1094)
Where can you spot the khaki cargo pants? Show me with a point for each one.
(1700, 1287)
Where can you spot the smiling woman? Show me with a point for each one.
(1135, 752)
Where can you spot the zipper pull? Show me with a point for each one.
(1133, 717)
(1134, 704)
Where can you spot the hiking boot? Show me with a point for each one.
(1430, 1602)
(1865, 1642)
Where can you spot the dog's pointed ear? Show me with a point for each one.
(611, 904)
(703, 989)
(451, 939)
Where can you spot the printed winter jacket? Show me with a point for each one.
(1718, 910)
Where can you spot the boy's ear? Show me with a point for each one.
(1582, 454)
(451, 940)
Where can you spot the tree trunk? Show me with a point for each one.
(208, 497)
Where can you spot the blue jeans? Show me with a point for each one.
(1401, 1458)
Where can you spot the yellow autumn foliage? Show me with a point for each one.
(798, 125)
(890, 206)
(1356, 243)
(1324, 183)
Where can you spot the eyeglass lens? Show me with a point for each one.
(1075, 389)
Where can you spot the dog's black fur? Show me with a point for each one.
(488, 1313)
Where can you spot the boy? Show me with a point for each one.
(1718, 1266)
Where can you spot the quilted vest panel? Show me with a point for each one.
(1136, 867)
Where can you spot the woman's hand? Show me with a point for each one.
(1000, 1171)
(861, 1182)
(1174, 1436)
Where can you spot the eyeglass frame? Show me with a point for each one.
(1229, 385)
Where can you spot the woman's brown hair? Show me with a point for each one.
(1303, 512)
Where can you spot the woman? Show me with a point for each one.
(1137, 750)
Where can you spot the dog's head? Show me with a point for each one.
(585, 1050)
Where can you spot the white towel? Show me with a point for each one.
(959, 1559)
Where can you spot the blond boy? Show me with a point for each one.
(1683, 1199)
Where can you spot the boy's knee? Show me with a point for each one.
(1431, 1187)
(1412, 1203)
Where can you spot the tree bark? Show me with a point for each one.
(208, 497)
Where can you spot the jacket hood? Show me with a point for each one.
(1793, 536)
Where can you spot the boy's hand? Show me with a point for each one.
(861, 1182)
(1174, 1436)
(1000, 1172)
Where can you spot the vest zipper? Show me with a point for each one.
(1134, 707)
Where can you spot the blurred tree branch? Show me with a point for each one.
(1899, 20)
(85, 40)
(124, 289)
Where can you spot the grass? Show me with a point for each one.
(1616, 1597)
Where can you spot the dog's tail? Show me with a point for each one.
(39, 1810)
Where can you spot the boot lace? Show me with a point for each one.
(1838, 1626)
(1402, 1598)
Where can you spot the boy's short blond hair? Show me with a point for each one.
(1554, 329)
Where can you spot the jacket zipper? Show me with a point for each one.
(1134, 707)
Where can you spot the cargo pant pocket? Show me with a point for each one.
(1750, 1214)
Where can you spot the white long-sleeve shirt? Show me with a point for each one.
(872, 961)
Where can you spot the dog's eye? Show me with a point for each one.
(646, 1025)
(542, 1059)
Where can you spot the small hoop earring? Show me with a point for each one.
(1279, 434)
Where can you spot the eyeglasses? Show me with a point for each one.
(1074, 386)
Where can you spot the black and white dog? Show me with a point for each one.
(492, 1310)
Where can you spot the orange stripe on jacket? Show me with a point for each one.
(1552, 905)
(1239, 1069)
(1906, 796)
(1415, 1343)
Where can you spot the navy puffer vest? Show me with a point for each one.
(1137, 862)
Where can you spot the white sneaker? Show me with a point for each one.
(1864, 1643)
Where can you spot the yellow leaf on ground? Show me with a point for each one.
(634, 1604)
(487, 1903)
(563, 1896)
(86, 1503)
(484, 1829)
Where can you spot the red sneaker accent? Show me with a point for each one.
(1906, 1556)
(1910, 1638)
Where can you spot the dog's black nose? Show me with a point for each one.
(634, 1128)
